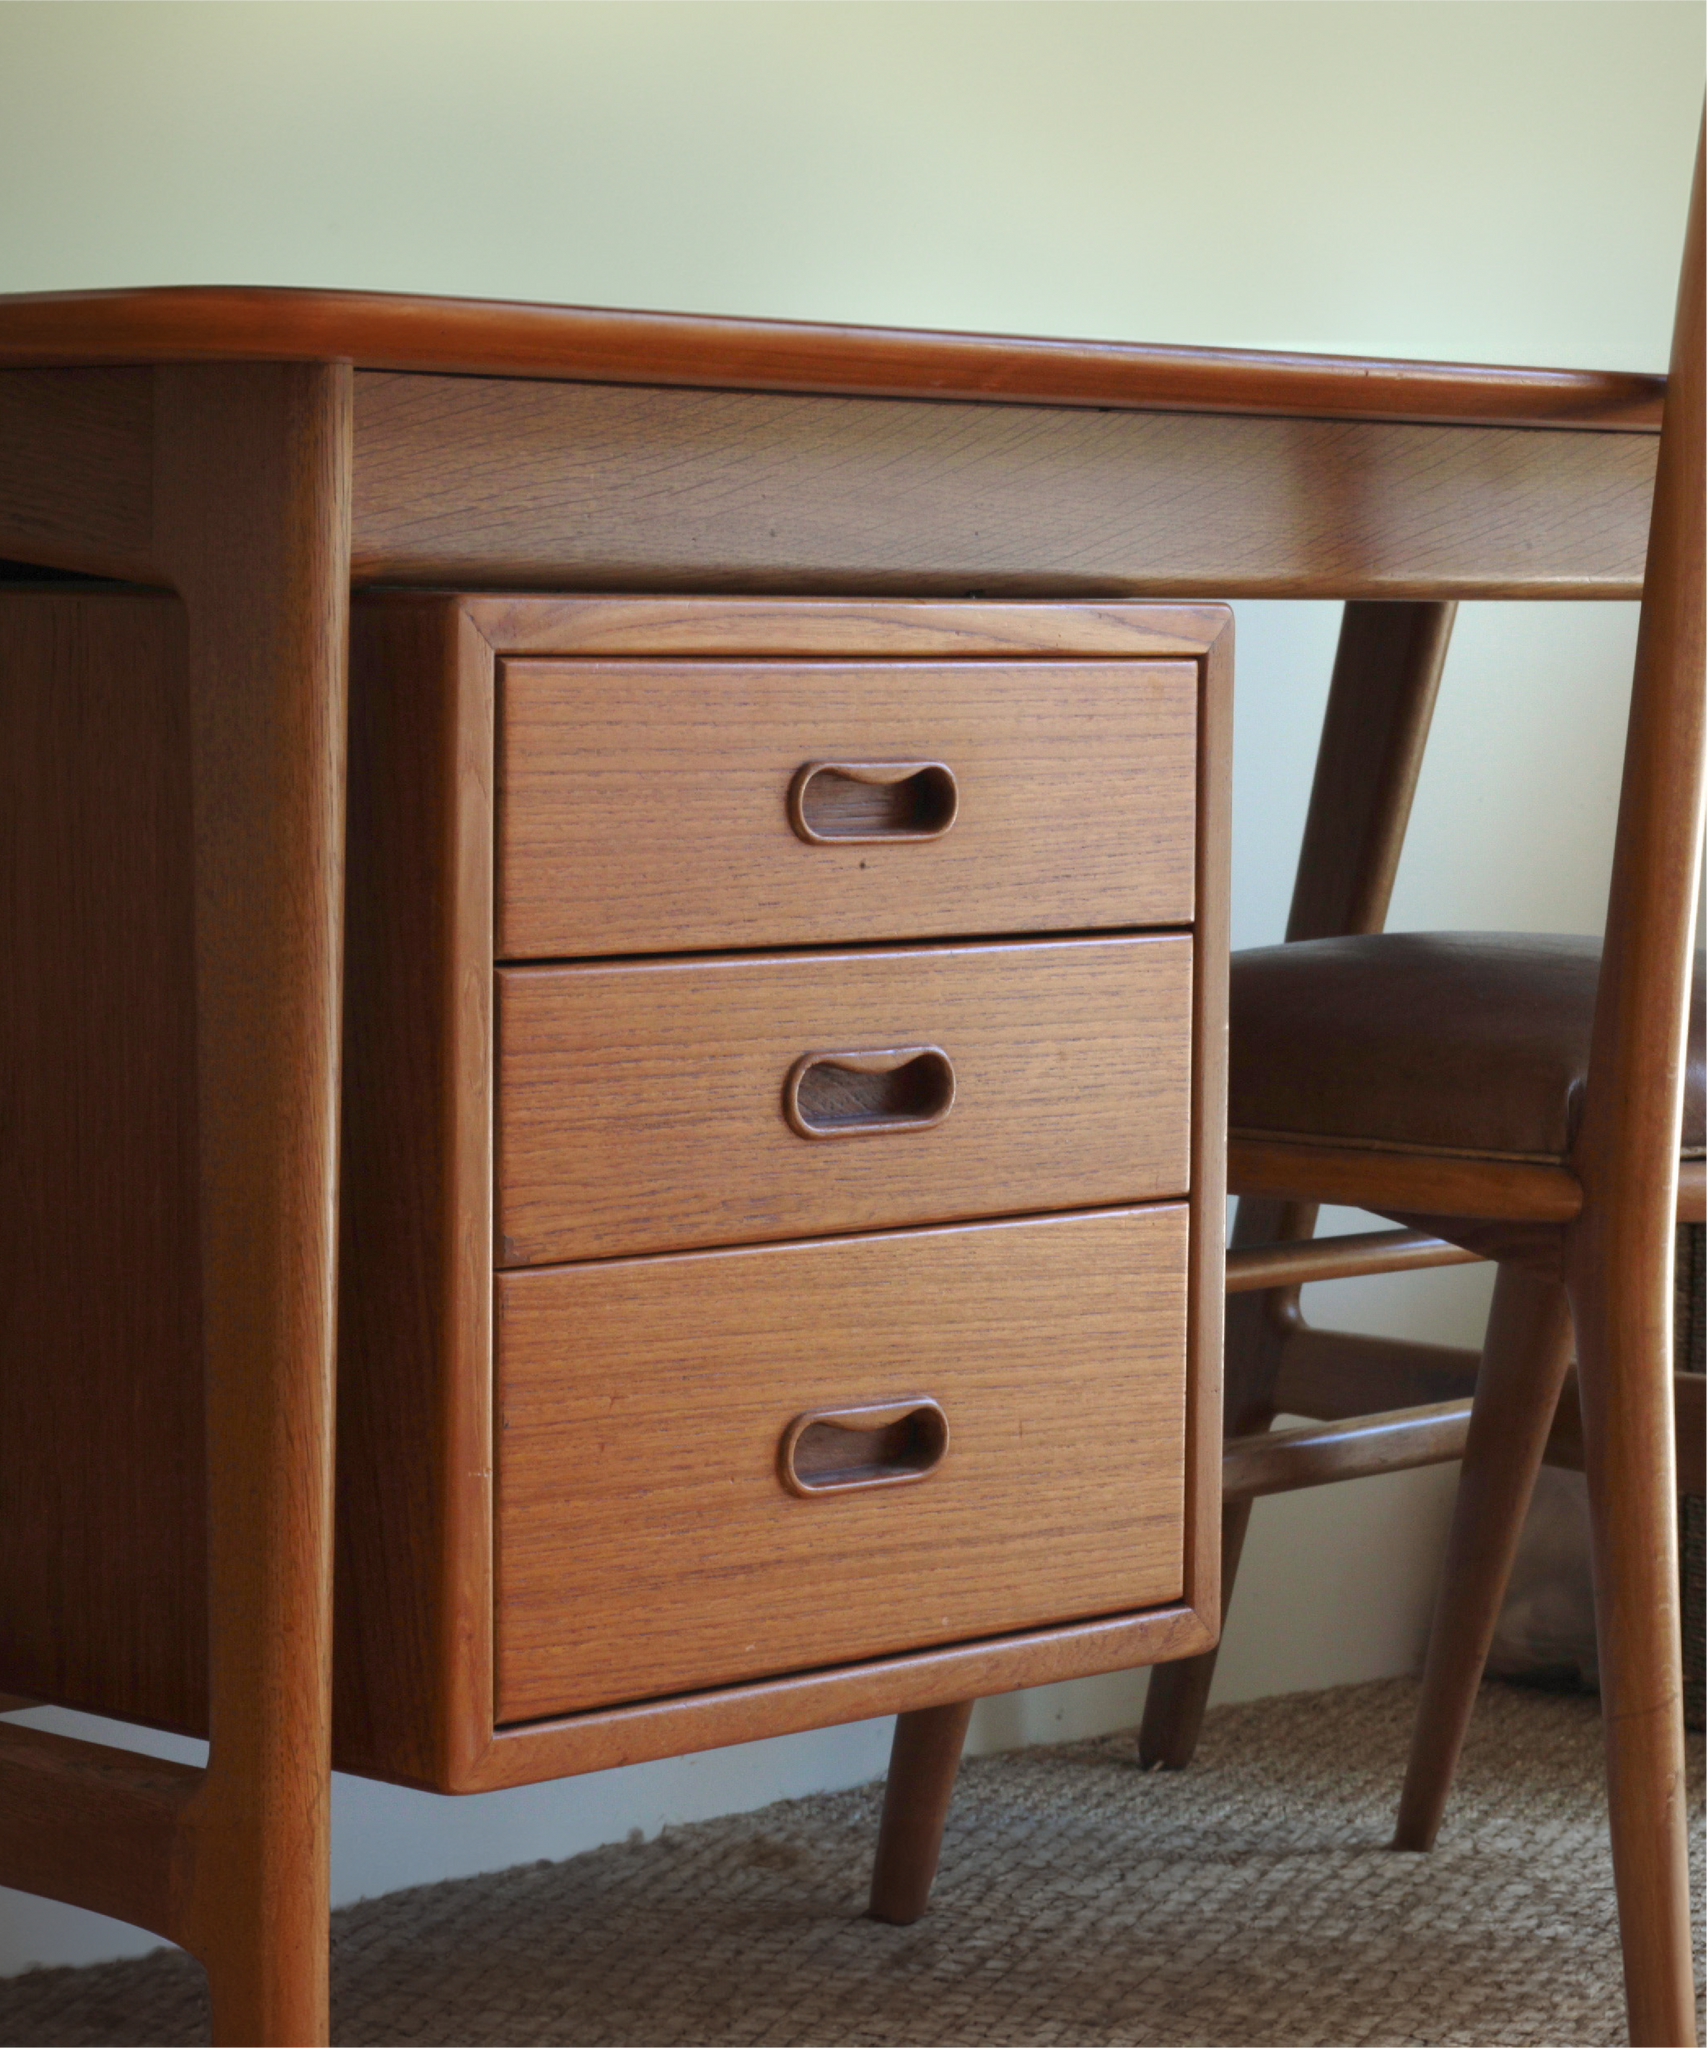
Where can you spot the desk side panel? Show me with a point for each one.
(103, 1578)
(412, 1661)
(1206, 1286)
(77, 481)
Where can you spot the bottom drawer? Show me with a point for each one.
(668, 1521)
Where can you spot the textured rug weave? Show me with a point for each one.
(1250, 1899)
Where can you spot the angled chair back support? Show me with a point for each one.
(1593, 1256)
(1618, 1254)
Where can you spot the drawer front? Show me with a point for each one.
(649, 1106)
(649, 1543)
(657, 807)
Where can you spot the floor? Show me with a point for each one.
(1250, 1899)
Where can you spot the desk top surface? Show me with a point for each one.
(499, 338)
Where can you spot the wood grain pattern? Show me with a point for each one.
(413, 1693)
(1332, 1374)
(847, 628)
(1179, 1691)
(1402, 1182)
(923, 1762)
(98, 1177)
(1524, 1356)
(603, 1740)
(1339, 1258)
(645, 808)
(1380, 699)
(251, 509)
(1534, 1246)
(1611, 1226)
(674, 628)
(1618, 1255)
(414, 1669)
(1360, 1447)
(513, 339)
(414, 1665)
(1205, 1294)
(640, 1107)
(528, 1752)
(1689, 1413)
(889, 1443)
(100, 1309)
(1387, 670)
(1336, 1374)
(190, 758)
(831, 1095)
(76, 470)
(100, 1828)
(594, 487)
(646, 1544)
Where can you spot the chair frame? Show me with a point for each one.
(1584, 1252)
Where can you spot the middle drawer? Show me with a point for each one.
(671, 1103)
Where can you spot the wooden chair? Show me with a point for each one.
(1496, 1097)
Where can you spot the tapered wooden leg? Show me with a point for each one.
(1623, 1351)
(252, 514)
(1256, 1333)
(1178, 1695)
(1524, 1360)
(1387, 671)
(923, 1764)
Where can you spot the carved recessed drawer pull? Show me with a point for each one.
(857, 1094)
(836, 1450)
(865, 802)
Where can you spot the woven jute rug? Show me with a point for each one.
(1249, 1899)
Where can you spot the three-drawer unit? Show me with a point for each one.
(781, 1200)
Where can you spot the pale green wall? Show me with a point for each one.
(1487, 181)
(1480, 180)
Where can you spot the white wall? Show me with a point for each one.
(1492, 182)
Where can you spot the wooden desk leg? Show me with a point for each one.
(924, 1762)
(252, 512)
(1380, 704)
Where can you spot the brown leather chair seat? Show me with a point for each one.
(1472, 1044)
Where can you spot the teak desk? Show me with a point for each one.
(773, 1024)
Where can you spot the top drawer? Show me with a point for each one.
(654, 806)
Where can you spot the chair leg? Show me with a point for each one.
(1380, 701)
(1623, 1367)
(1525, 1356)
(923, 1763)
